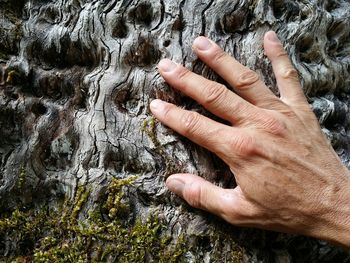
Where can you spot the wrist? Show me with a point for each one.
(335, 221)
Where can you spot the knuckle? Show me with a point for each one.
(245, 214)
(242, 145)
(272, 104)
(193, 194)
(241, 107)
(184, 74)
(273, 125)
(288, 113)
(213, 93)
(219, 55)
(167, 110)
(190, 121)
(247, 79)
(290, 74)
(243, 210)
(282, 53)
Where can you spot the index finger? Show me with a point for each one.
(198, 128)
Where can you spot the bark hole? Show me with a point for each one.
(120, 30)
(285, 9)
(143, 53)
(39, 109)
(237, 20)
(179, 24)
(142, 14)
(67, 54)
(10, 132)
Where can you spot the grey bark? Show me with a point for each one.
(77, 77)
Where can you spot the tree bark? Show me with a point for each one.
(79, 148)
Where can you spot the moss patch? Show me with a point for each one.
(10, 37)
(65, 235)
(21, 178)
(149, 127)
(78, 231)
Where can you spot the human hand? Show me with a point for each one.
(289, 178)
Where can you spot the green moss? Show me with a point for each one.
(233, 252)
(19, 260)
(175, 254)
(125, 242)
(21, 178)
(15, 76)
(80, 199)
(149, 127)
(114, 203)
(236, 253)
(11, 75)
(10, 39)
(105, 233)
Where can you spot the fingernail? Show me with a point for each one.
(202, 43)
(273, 37)
(157, 105)
(166, 65)
(175, 185)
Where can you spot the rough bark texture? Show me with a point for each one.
(82, 160)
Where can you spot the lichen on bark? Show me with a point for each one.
(76, 79)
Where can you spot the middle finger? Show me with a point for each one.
(213, 96)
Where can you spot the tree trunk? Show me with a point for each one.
(83, 162)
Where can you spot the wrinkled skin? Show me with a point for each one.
(289, 178)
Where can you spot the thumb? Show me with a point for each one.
(204, 195)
